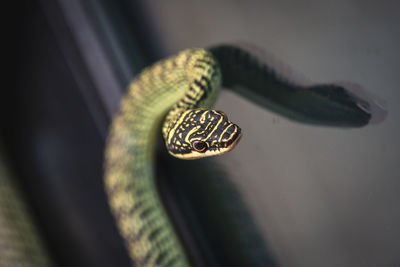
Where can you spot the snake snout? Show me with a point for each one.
(232, 132)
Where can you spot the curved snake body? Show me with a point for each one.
(172, 96)
(189, 80)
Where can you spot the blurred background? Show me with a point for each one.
(300, 195)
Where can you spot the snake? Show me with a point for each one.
(173, 99)
(21, 243)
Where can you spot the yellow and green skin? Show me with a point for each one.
(174, 96)
(21, 244)
(178, 91)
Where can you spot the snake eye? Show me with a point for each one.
(199, 146)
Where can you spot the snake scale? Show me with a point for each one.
(174, 97)
(20, 241)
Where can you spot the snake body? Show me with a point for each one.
(20, 240)
(173, 97)
(175, 84)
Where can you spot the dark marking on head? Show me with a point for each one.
(200, 131)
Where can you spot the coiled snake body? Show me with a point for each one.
(174, 96)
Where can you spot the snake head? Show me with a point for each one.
(199, 133)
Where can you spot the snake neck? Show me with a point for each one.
(201, 91)
(158, 98)
(161, 93)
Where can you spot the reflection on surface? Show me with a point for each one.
(321, 196)
(223, 228)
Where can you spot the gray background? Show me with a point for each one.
(322, 196)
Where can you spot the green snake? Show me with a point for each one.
(20, 241)
(173, 98)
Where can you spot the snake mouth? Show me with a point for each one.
(234, 139)
(227, 146)
(231, 145)
(211, 152)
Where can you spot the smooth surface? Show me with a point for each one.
(322, 196)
